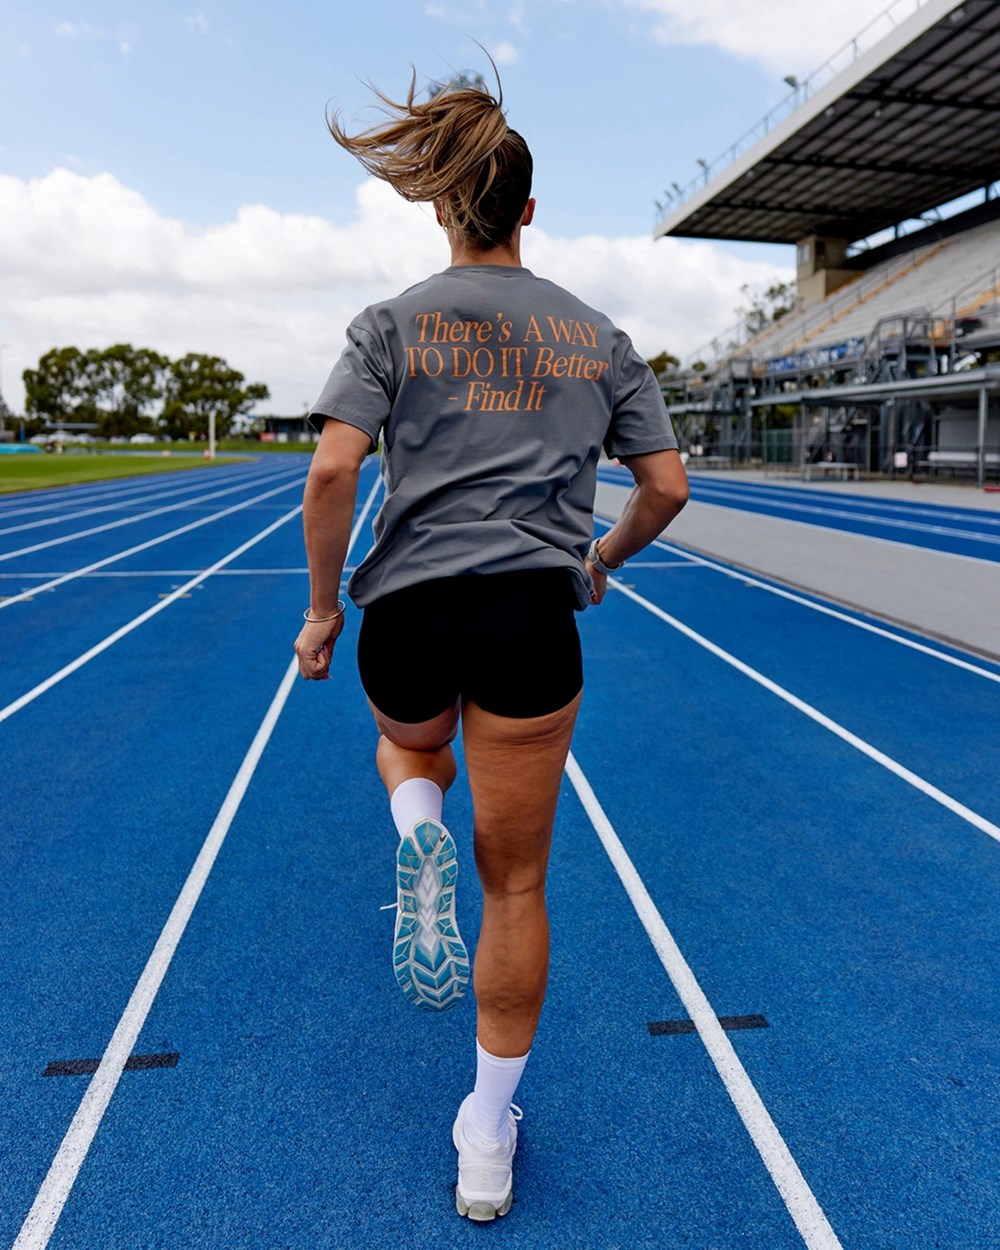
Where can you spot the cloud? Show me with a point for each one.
(198, 22)
(88, 261)
(779, 35)
(505, 53)
(76, 30)
(124, 35)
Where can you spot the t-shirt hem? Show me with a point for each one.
(615, 452)
(317, 418)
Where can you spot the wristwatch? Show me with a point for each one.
(594, 556)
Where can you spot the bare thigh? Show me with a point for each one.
(515, 769)
(426, 735)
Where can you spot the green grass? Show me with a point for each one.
(35, 472)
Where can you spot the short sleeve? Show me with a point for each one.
(359, 390)
(640, 423)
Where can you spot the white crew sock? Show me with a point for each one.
(496, 1083)
(415, 799)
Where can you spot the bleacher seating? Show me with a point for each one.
(954, 274)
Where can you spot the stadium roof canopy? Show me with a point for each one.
(908, 125)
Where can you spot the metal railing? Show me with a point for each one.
(866, 38)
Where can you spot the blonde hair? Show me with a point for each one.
(455, 150)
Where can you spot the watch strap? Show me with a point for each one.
(594, 556)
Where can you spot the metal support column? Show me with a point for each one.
(984, 408)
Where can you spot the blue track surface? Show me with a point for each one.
(957, 530)
(837, 876)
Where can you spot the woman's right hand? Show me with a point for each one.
(314, 647)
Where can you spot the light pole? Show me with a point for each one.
(3, 402)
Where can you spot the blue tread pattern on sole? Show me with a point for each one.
(429, 957)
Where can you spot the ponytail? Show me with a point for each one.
(455, 150)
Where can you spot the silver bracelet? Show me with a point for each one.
(319, 620)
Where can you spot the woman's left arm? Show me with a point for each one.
(327, 514)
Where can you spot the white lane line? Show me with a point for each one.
(144, 516)
(121, 504)
(348, 568)
(928, 511)
(363, 516)
(86, 569)
(41, 1220)
(653, 564)
(49, 499)
(852, 739)
(749, 580)
(878, 538)
(141, 619)
(823, 509)
(808, 1215)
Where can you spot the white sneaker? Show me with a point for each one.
(428, 955)
(485, 1184)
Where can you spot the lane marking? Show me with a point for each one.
(816, 492)
(845, 514)
(141, 619)
(833, 529)
(872, 538)
(929, 511)
(134, 1063)
(120, 505)
(142, 516)
(87, 569)
(298, 572)
(41, 1220)
(834, 727)
(750, 580)
(51, 498)
(813, 1226)
(660, 1028)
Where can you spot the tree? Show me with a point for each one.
(764, 307)
(61, 388)
(662, 363)
(126, 381)
(200, 386)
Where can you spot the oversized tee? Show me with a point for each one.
(492, 392)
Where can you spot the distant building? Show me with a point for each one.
(287, 430)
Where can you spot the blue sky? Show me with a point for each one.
(166, 175)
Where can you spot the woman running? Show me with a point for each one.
(491, 392)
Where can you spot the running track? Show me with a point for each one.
(774, 810)
(957, 530)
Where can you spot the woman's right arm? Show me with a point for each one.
(661, 491)
(328, 513)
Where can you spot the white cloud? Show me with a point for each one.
(124, 34)
(88, 261)
(784, 35)
(198, 22)
(76, 30)
(505, 53)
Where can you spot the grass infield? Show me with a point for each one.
(35, 472)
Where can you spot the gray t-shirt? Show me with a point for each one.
(492, 392)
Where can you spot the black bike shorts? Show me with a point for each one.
(507, 641)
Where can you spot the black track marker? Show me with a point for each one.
(657, 1027)
(134, 1063)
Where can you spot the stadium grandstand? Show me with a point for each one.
(880, 169)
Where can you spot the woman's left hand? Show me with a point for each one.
(314, 647)
(600, 581)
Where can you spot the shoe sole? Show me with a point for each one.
(429, 957)
(481, 1212)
